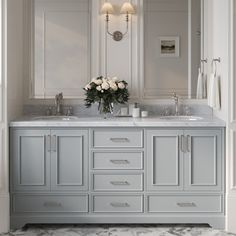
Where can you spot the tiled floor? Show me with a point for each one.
(141, 230)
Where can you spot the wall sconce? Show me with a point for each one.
(127, 8)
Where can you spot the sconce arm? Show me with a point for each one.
(117, 35)
(127, 25)
(107, 25)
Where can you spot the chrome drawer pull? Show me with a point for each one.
(119, 204)
(119, 140)
(118, 162)
(52, 204)
(119, 182)
(186, 204)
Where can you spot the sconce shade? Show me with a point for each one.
(107, 8)
(127, 8)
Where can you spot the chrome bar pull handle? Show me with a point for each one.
(54, 143)
(182, 143)
(189, 143)
(48, 143)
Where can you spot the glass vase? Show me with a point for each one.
(105, 108)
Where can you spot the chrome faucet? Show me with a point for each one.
(176, 100)
(58, 103)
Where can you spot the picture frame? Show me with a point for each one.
(169, 46)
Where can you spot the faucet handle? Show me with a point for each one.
(49, 111)
(187, 110)
(175, 96)
(60, 95)
(69, 111)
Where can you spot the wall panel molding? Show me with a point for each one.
(232, 153)
(120, 58)
(233, 62)
(59, 66)
(232, 98)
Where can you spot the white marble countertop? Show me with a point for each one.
(118, 122)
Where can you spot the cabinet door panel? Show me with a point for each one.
(164, 160)
(30, 160)
(203, 160)
(69, 159)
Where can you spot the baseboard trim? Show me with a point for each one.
(4, 213)
(231, 212)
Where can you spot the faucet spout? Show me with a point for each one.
(58, 103)
(176, 101)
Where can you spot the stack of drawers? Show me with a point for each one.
(117, 170)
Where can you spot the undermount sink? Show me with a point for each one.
(181, 118)
(55, 118)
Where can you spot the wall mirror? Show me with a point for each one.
(173, 48)
(68, 42)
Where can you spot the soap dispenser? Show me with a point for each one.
(136, 111)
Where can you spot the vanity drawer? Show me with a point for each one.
(113, 138)
(116, 204)
(42, 204)
(117, 160)
(176, 204)
(122, 182)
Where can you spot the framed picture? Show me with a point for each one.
(169, 46)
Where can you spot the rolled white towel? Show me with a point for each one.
(200, 85)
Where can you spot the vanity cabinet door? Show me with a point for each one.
(164, 160)
(69, 158)
(203, 160)
(30, 159)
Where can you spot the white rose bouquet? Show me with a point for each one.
(106, 92)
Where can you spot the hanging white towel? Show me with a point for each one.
(204, 86)
(200, 85)
(209, 90)
(214, 92)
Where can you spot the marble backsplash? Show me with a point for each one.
(154, 110)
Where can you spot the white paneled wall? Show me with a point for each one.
(221, 43)
(61, 46)
(231, 131)
(4, 189)
(121, 56)
(15, 55)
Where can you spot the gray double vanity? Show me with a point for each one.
(86, 169)
(118, 170)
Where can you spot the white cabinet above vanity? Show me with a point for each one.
(91, 171)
